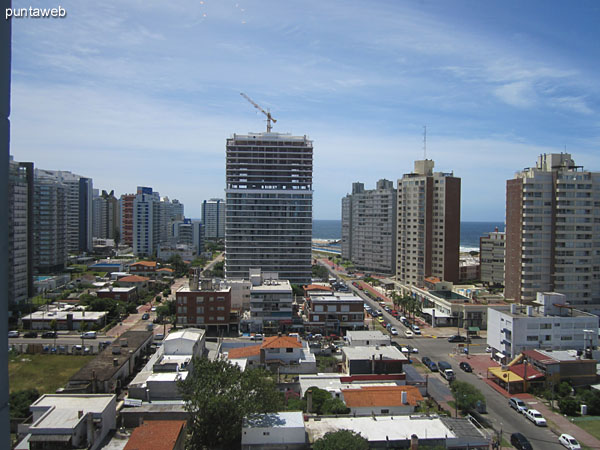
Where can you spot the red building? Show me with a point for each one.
(126, 204)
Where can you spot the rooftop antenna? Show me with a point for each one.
(424, 141)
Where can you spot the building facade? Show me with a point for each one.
(270, 302)
(106, 215)
(553, 231)
(369, 227)
(335, 313)
(268, 221)
(213, 218)
(428, 234)
(126, 218)
(146, 221)
(491, 256)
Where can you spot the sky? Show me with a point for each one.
(145, 93)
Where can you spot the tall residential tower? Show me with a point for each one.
(268, 222)
(213, 218)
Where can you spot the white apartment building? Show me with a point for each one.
(553, 232)
(491, 256)
(428, 224)
(270, 300)
(213, 218)
(549, 324)
(268, 221)
(369, 227)
(146, 221)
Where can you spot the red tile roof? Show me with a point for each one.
(133, 279)
(156, 435)
(544, 359)
(165, 269)
(381, 396)
(145, 263)
(316, 287)
(532, 373)
(244, 352)
(433, 279)
(281, 342)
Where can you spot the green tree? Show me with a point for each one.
(218, 395)
(54, 327)
(335, 406)
(568, 406)
(466, 395)
(341, 440)
(19, 402)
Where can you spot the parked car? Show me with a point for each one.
(517, 404)
(465, 366)
(520, 442)
(394, 331)
(448, 374)
(488, 349)
(257, 337)
(30, 334)
(380, 318)
(569, 441)
(153, 309)
(49, 334)
(62, 349)
(412, 349)
(443, 365)
(433, 366)
(87, 350)
(77, 348)
(416, 329)
(409, 334)
(88, 335)
(457, 338)
(145, 316)
(404, 350)
(13, 334)
(425, 360)
(536, 417)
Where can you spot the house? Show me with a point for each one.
(376, 400)
(281, 430)
(158, 435)
(64, 421)
(334, 383)
(337, 313)
(144, 268)
(288, 354)
(550, 323)
(134, 281)
(367, 338)
(372, 360)
(128, 294)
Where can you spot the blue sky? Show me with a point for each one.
(145, 92)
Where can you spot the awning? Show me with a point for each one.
(474, 329)
(438, 314)
(499, 355)
(504, 375)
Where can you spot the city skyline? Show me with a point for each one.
(146, 93)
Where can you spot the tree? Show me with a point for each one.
(568, 406)
(19, 402)
(218, 395)
(54, 328)
(341, 440)
(335, 406)
(466, 396)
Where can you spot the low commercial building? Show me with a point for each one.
(158, 435)
(109, 371)
(372, 360)
(548, 324)
(382, 400)
(281, 430)
(144, 268)
(334, 314)
(563, 365)
(367, 338)
(63, 421)
(66, 319)
(128, 294)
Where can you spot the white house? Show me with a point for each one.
(190, 341)
(367, 337)
(70, 421)
(283, 430)
(549, 324)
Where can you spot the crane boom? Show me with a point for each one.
(266, 113)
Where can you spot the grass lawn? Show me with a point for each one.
(589, 424)
(46, 373)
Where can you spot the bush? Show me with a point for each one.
(19, 402)
(568, 406)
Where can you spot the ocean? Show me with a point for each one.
(470, 232)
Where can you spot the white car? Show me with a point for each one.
(536, 417)
(415, 350)
(13, 334)
(405, 350)
(416, 329)
(569, 441)
(409, 334)
(394, 331)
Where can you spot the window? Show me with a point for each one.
(385, 411)
(220, 308)
(532, 338)
(220, 299)
(289, 350)
(266, 433)
(319, 308)
(220, 318)
(211, 299)
(315, 318)
(200, 310)
(199, 299)
(331, 308)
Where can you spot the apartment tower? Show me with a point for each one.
(428, 225)
(106, 215)
(146, 222)
(369, 227)
(491, 257)
(268, 213)
(553, 232)
(213, 218)
(126, 218)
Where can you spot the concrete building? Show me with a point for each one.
(105, 215)
(126, 218)
(549, 324)
(428, 234)
(69, 421)
(158, 435)
(369, 227)
(281, 430)
(270, 302)
(240, 293)
(491, 256)
(128, 294)
(372, 360)
(382, 400)
(468, 268)
(552, 230)
(66, 319)
(336, 313)
(268, 221)
(213, 218)
(20, 233)
(367, 338)
(563, 365)
(187, 252)
(146, 221)
(49, 224)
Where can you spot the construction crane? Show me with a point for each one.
(266, 113)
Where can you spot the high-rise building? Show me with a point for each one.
(106, 215)
(126, 218)
(169, 211)
(553, 232)
(268, 220)
(369, 227)
(213, 218)
(428, 225)
(49, 223)
(491, 257)
(79, 208)
(146, 221)
(20, 232)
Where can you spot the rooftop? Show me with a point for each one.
(555, 356)
(272, 285)
(145, 263)
(317, 287)
(281, 342)
(244, 352)
(133, 279)
(118, 289)
(156, 435)
(368, 352)
(62, 315)
(63, 409)
(366, 334)
(449, 295)
(368, 396)
(291, 419)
